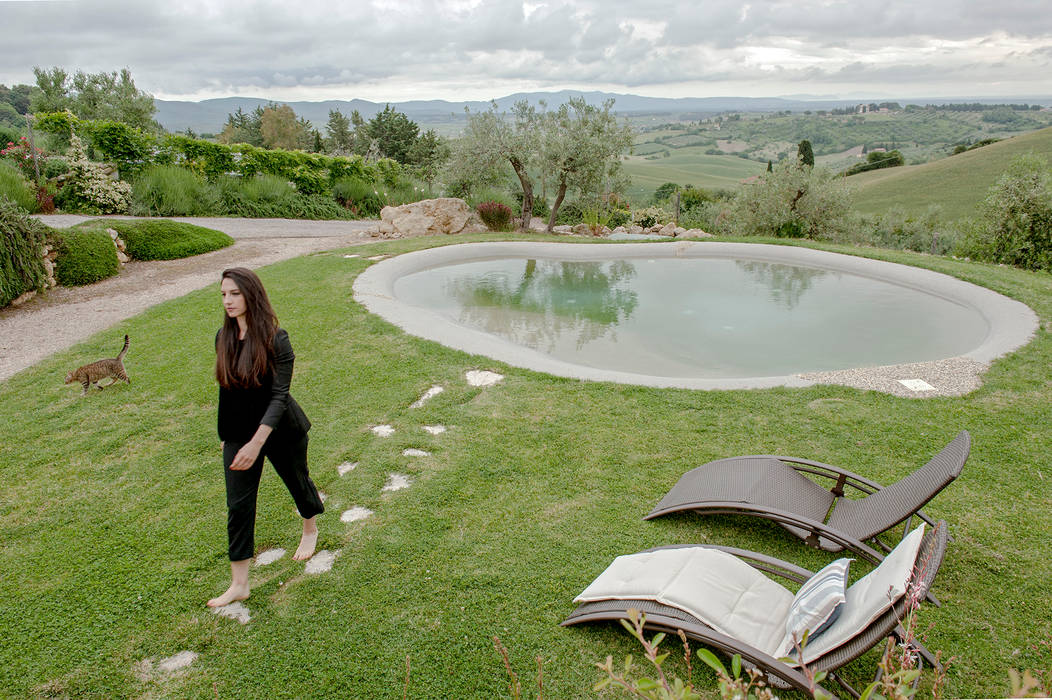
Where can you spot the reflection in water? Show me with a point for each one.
(787, 284)
(555, 300)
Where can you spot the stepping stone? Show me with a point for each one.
(321, 562)
(352, 256)
(396, 482)
(477, 377)
(434, 429)
(383, 430)
(345, 467)
(234, 611)
(269, 556)
(377, 257)
(356, 513)
(413, 452)
(916, 385)
(323, 496)
(433, 391)
(176, 661)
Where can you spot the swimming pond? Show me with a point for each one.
(701, 315)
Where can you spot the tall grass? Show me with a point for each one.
(16, 188)
(169, 190)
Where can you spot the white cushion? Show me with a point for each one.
(868, 598)
(818, 602)
(718, 588)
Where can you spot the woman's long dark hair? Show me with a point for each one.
(242, 364)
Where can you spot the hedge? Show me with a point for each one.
(85, 256)
(21, 243)
(132, 149)
(163, 239)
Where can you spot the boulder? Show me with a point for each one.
(429, 217)
(582, 230)
(668, 229)
(562, 229)
(538, 224)
(635, 229)
(693, 233)
(620, 229)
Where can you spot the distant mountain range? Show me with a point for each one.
(209, 116)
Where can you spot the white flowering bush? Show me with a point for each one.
(88, 188)
(651, 216)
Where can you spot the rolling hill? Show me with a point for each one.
(956, 184)
(687, 166)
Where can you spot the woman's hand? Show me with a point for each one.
(246, 456)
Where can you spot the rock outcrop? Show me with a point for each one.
(429, 217)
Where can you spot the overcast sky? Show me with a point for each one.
(398, 50)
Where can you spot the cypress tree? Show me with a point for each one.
(805, 154)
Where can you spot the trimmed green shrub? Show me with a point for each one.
(16, 188)
(168, 190)
(162, 239)
(21, 239)
(85, 256)
(495, 215)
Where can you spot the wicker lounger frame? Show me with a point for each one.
(825, 519)
(665, 618)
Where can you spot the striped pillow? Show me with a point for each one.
(817, 604)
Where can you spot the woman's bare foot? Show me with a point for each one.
(235, 592)
(238, 585)
(308, 541)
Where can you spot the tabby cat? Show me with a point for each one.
(91, 374)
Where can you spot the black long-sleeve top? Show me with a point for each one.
(242, 411)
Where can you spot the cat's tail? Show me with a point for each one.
(124, 350)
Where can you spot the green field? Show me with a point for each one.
(687, 166)
(112, 532)
(956, 184)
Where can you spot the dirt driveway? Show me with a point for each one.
(65, 316)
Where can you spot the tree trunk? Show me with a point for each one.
(556, 205)
(527, 192)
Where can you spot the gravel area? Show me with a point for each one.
(953, 377)
(64, 316)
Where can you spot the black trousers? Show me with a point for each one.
(290, 462)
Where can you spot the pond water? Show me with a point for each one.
(708, 318)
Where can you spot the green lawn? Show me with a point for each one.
(112, 530)
(956, 184)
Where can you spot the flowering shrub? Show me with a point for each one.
(88, 188)
(495, 215)
(21, 154)
(651, 216)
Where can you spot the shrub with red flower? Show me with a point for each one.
(495, 215)
(22, 155)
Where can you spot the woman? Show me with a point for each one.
(258, 418)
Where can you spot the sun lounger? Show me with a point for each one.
(775, 488)
(718, 597)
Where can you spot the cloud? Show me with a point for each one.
(491, 47)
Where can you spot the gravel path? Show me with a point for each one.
(65, 316)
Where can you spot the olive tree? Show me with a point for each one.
(1016, 224)
(580, 147)
(793, 201)
(492, 141)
